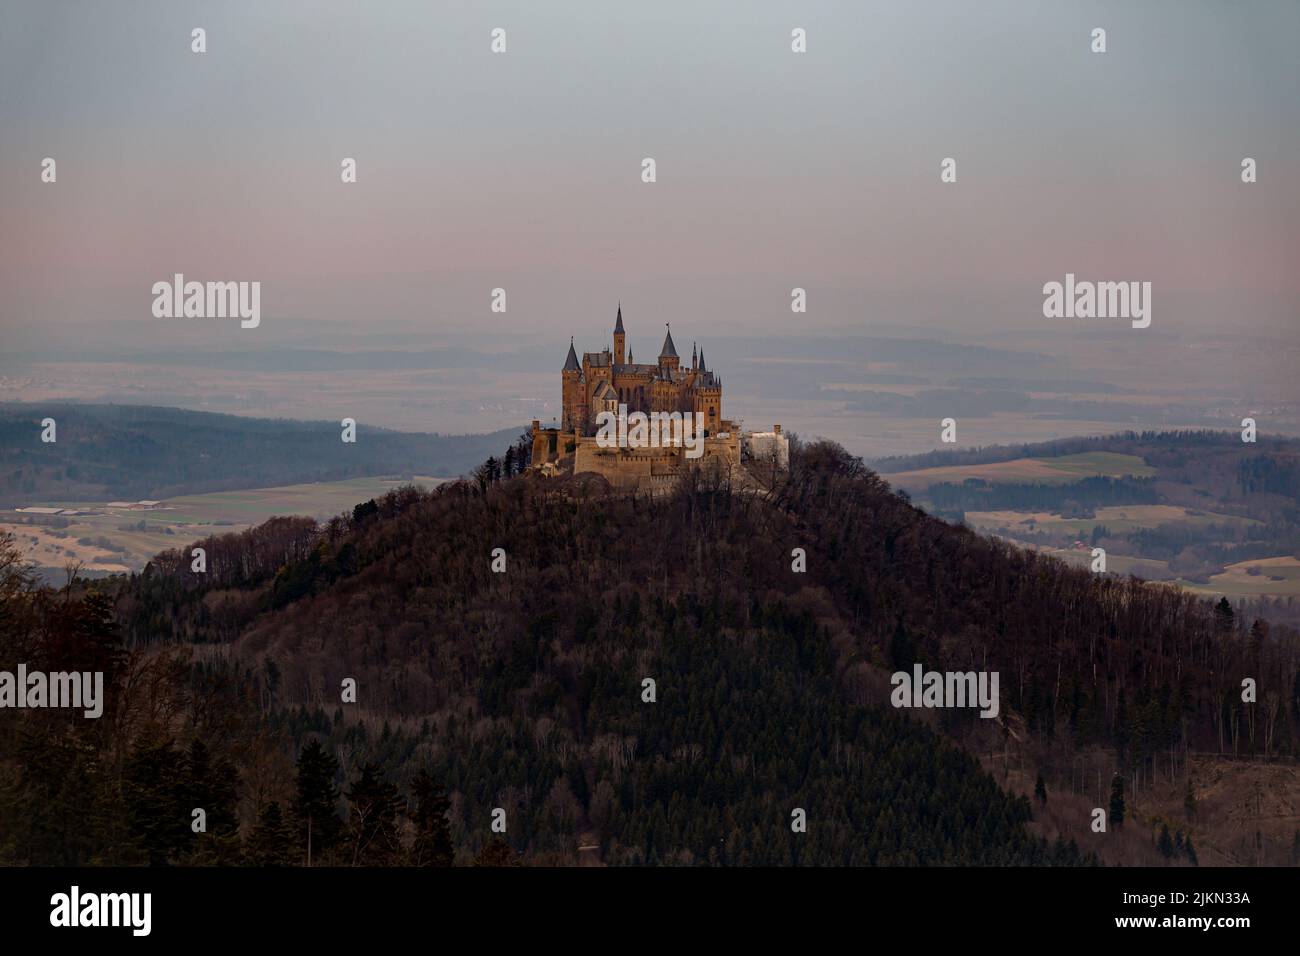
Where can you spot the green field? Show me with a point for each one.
(1060, 470)
(1100, 463)
(1277, 576)
(1273, 577)
(1147, 568)
(180, 520)
(1118, 519)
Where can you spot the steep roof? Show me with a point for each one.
(669, 350)
(571, 363)
(618, 323)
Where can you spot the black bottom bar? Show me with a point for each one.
(529, 904)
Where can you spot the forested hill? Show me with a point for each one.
(1172, 449)
(138, 451)
(524, 690)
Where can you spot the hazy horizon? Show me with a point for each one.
(775, 170)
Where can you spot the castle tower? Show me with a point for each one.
(668, 354)
(710, 405)
(620, 337)
(573, 398)
(708, 397)
(664, 386)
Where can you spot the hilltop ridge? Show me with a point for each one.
(765, 675)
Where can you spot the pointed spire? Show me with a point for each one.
(693, 355)
(703, 367)
(669, 350)
(618, 323)
(571, 363)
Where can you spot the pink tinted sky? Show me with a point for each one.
(775, 170)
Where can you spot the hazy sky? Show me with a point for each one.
(775, 169)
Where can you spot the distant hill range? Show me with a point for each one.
(134, 451)
(1131, 442)
(1202, 508)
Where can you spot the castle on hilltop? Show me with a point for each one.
(605, 380)
(610, 384)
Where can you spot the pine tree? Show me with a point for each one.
(1117, 800)
(1223, 616)
(1165, 843)
(372, 819)
(1258, 636)
(432, 845)
(1191, 851)
(523, 452)
(1189, 800)
(271, 842)
(1040, 790)
(154, 789)
(902, 651)
(1121, 726)
(315, 808)
(210, 785)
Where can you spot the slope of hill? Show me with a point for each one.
(523, 689)
(135, 451)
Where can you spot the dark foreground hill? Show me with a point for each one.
(525, 691)
(141, 451)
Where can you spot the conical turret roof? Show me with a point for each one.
(669, 350)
